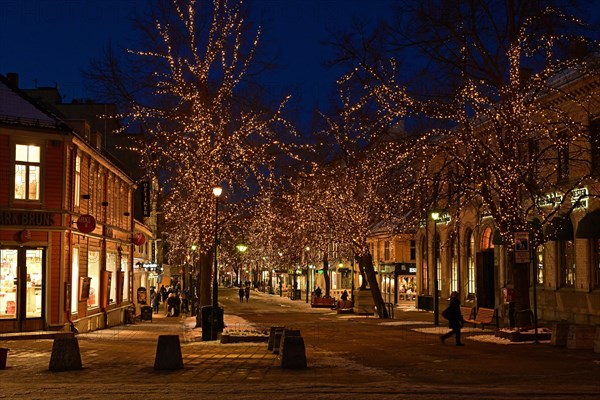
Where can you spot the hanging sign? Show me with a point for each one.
(522, 254)
(86, 223)
(138, 239)
(146, 206)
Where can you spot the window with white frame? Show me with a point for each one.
(77, 190)
(27, 172)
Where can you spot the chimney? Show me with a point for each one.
(13, 78)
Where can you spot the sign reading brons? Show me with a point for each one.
(86, 223)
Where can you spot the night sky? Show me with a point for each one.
(49, 42)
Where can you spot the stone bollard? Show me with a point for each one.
(65, 353)
(272, 336)
(292, 350)
(168, 353)
(277, 340)
(560, 333)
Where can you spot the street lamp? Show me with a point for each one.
(217, 190)
(241, 248)
(435, 215)
(307, 276)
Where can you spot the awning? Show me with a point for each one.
(559, 229)
(589, 226)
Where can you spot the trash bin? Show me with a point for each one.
(146, 313)
(207, 323)
(3, 357)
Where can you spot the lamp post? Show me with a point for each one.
(307, 275)
(217, 190)
(242, 249)
(435, 215)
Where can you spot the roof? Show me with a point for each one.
(15, 107)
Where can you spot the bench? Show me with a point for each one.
(344, 307)
(467, 313)
(325, 302)
(484, 316)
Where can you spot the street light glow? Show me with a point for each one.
(217, 190)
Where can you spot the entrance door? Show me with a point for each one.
(486, 290)
(21, 287)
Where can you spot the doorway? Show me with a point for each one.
(486, 288)
(22, 287)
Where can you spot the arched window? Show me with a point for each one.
(486, 239)
(470, 263)
(453, 264)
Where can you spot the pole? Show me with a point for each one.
(535, 279)
(307, 277)
(436, 318)
(215, 302)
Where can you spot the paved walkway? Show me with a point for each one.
(118, 362)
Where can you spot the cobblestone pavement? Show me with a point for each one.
(348, 357)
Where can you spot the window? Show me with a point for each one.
(94, 273)
(595, 262)
(413, 250)
(540, 263)
(77, 190)
(454, 265)
(386, 250)
(424, 269)
(595, 146)
(566, 259)
(438, 261)
(27, 172)
(111, 266)
(471, 263)
(75, 281)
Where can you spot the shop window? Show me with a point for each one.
(540, 264)
(125, 269)
(75, 280)
(27, 172)
(111, 266)
(8, 283)
(424, 269)
(471, 264)
(33, 265)
(566, 258)
(94, 274)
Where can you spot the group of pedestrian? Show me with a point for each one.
(175, 300)
(244, 292)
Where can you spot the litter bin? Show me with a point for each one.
(207, 322)
(146, 313)
(3, 357)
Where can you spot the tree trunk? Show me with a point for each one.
(326, 274)
(521, 287)
(206, 278)
(367, 260)
(361, 270)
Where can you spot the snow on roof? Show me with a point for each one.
(14, 107)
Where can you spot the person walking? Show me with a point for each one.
(247, 293)
(155, 302)
(241, 293)
(455, 319)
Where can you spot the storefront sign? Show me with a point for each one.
(86, 223)
(146, 198)
(25, 235)
(579, 197)
(26, 218)
(107, 231)
(138, 239)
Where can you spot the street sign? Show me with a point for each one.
(522, 253)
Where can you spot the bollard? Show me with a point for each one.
(293, 352)
(3, 357)
(168, 353)
(272, 336)
(65, 353)
(560, 334)
(287, 333)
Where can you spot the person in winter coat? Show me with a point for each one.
(455, 319)
(241, 293)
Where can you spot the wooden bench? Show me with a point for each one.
(484, 316)
(344, 307)
(325, 302)
(467, 313)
